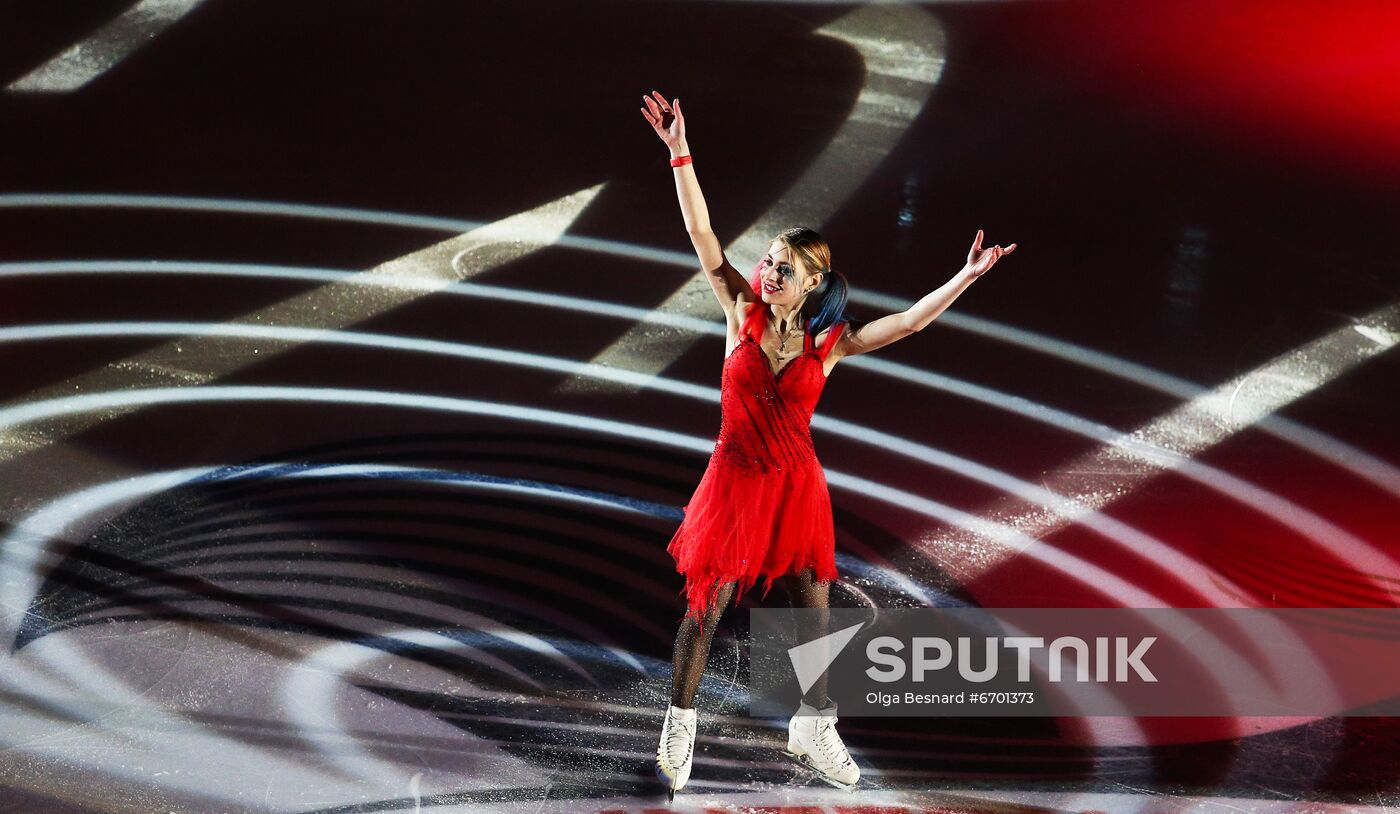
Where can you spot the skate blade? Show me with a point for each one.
(805, 762)
(667, 781)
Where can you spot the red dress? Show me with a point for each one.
(762, 508)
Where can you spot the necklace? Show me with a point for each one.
(782, 345)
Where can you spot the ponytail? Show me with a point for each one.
(826, 305)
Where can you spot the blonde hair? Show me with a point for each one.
(826, 304)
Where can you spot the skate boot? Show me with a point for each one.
(677, 747)
(813, 741)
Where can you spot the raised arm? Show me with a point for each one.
(881, 332)
(667, 119)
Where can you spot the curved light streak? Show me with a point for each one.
(1378, 326)
(1335, 452)
(26, 547)
(18, 561)
(1127, 593)
(1147, 546)
(22, 552)
(28, 412)
(18, 415)
(1375, 326)
(340, 214)
(308, 695)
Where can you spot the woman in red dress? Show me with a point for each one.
(762, 509)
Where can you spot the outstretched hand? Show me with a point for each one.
(665, 118)
(979, 259)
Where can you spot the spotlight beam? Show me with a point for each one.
(105, 48)
(903, 50)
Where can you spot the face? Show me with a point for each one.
(785, 278)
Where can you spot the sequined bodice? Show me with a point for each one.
(765, 418)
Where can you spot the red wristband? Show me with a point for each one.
(680, 160)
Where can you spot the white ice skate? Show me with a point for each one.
(812, 741)
(677, 747)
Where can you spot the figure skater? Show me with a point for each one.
(762, 508)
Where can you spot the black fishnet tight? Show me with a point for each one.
(693, 639)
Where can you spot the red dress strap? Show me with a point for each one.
(747, 329)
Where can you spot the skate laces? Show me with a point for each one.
(679, 733)
(829, 742)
